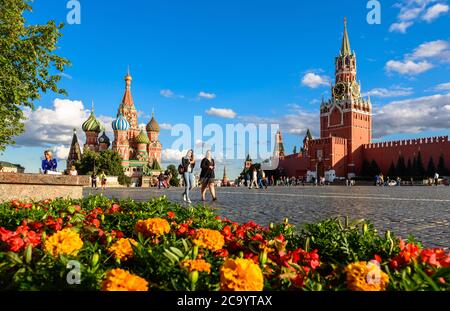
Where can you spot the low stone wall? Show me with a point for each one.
(40, 187)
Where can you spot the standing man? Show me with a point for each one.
(436, 178)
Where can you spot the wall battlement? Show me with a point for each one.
(329, 140)
(407, 142)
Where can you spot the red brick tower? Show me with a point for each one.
(347, 115)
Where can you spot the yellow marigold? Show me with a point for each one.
(122, 280)
(363, 276)
(199, 265)
(209, 239)
(241, 275)
(122, 249)
(153, 227)
(66, 241)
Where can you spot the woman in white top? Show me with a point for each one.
(188, 163)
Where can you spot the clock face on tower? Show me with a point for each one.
(339, 91)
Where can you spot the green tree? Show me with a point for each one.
(409, 168)
(366, 169)
(29, 65)
(401, 166)
(108, 161)
(420, 170)
(295, 150)
(392, 171)
(375, 169)
(431, 168)
(442, 169)
(175, 180)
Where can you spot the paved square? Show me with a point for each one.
(420, 211)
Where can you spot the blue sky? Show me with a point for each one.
(264, 60)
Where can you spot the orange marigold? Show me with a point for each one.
(241, 275)
(122, 249)
(122, 280)
(363, 276)
(199, 265)
(209, 239)
(66, 241)
(153, 227)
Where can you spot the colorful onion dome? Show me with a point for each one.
(120, 124)
(92, 124)
(104, 139)
(142, 138)
(153, 126)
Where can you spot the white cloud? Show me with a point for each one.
(412, 115)
(165, 126)
(443, 87)
(395, 91)
(408, 67)
(45, 127)
(167, 93)
(430, 49)
(435, 11)
(206, 95)
(296, 123)
(400, 27)
(172, 155)
(313, 80)
(61, 152)
(222, 113)
(412, 11)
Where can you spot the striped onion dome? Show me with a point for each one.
(142, 138)
(104, 139)
(92, 124)
(153, 126)
(120, 124)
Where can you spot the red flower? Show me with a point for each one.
(96, 223)
(408, 253)
(77, 208)
(378, 258)
(115, 208)
(182, 229)
(171, 215)
(222, 253)
(435, 257)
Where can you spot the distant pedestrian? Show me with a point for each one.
(436, 179)
(161, 180)
(103, 180)
(188, 164)
(73, 171)
(94, 180)
(207, 176)
(254, 179)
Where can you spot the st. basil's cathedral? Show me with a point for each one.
(138, 148)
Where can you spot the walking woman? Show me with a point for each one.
(49, 164)
(207, 176)
(188, 164)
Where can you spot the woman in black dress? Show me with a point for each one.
(207, 176)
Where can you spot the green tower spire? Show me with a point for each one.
(345, 49)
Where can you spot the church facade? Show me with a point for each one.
(345, 142)
(139, 148)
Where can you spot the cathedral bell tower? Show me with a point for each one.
(347, 115)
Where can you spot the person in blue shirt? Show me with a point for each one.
(49, 163)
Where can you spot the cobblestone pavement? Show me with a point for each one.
(420, 211)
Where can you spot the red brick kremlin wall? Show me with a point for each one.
(384, 153)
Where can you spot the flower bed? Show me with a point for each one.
(99, 244)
